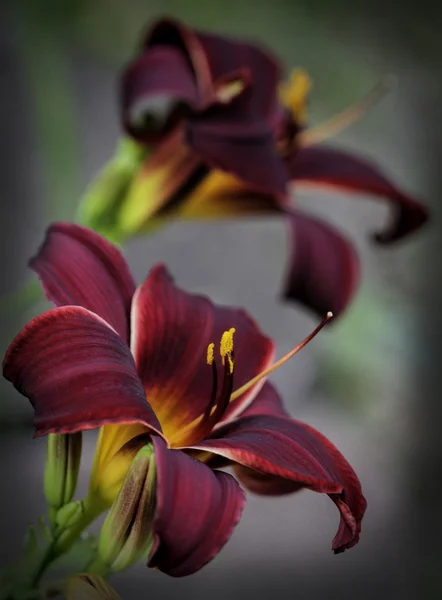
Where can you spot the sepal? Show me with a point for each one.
(127, 534)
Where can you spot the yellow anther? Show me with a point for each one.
(226, 346)
(210, 353)
(228, 91)
(294, 94)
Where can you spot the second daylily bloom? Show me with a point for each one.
(224, 140)
(157, 366)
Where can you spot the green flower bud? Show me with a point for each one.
(126, 534)
(69, 514)
(61, 469)
(101, 204)
(89, 587)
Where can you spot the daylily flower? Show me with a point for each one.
(223, 138)
(141, 365)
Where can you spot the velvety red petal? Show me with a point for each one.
(160, 72)
(171, 331)
(329, 166)
(172, 34)
(234, 144)
(267, 402)
(323, 268)
(216, 58)
(289, 449)
(77, 372)
(77, 266)
(197, 510)
(236, 135)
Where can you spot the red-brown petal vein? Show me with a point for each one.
(77, 266)
(294, 451)
(197, 510)
(77, 372)
(319, 165)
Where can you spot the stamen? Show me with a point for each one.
(294, 94)
(347, 117)
(217, 406)
(281, 361)
(210, 353)
(226, 391)
(228, 91)
(226, 347)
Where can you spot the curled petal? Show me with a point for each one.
(152, 87)
(288, 449)
(77, 266)
(172, 34)
(267, 402)
(264, 484)
(196, 512)
(240, 147)
(324, 268)
(331, 167)
(216, 58)
(77, 372)
(171, 331)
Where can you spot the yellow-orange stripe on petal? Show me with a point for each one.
(221, 195)
(110, 463)
(162, 176)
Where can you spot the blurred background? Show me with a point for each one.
(371, 383)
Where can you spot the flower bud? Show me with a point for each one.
(89, 587)
(69, 514)
(101, 204)
(61, 469)
(126, 534)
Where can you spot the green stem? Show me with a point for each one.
(68, 537)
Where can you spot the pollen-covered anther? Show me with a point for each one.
(210, 353)
(294, 94)
(226, 347)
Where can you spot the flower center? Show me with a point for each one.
(219, 402)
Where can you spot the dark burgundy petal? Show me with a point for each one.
(77, 373)
(170, 33)
(289, 449)
(197, 510)
(323, 268)
(329, 166)
(234, 134)
(267, 402)
(161, 74)
(215, 58)
(238, 137)
(77, 266)
(245, 149)
(228, 57)
(171, 331)
(263, 484)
